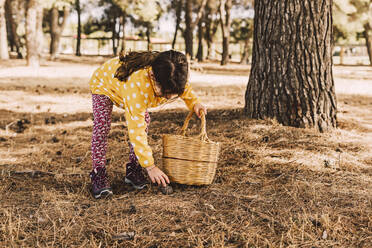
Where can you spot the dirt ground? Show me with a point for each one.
(275, 186)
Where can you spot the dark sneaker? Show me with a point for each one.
(100, 184)
(135, 176)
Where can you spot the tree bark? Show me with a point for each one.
(78, 38)
(368, 36)
(32, 44)
(225, 8)
(56, 29)
(178, 21)
(291, 78)
(4, 53)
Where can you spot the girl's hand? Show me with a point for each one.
(157, 175)
(200, 107)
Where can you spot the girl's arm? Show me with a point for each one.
(192, 101)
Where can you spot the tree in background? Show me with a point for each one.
(58, 10)
(14, 11)
(242, 31)
(177, 5)
(350, 18)
(191, 24)
(78, 35)
(211, 24)
(4, 53)
(225, 20)
(34, 32)
(144, 13)
(291, 77)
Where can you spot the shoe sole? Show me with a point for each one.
(103, 194)
(128, 181)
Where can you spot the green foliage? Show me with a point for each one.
(241, 29)
(349, 17)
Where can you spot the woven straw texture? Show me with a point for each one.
(190, 160)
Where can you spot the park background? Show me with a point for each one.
(275, 186)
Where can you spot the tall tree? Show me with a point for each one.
(191, 24)
(352, 17)
(291, 77)
(78, 36)
(225, 8)
(242, 31)
(177, 5)
(211, 25)
(34, 39)
(59, 11)
(13, 11)
(4, 53)
(200, 53)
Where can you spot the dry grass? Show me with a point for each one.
(275, 186)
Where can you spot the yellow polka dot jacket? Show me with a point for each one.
(135, 96)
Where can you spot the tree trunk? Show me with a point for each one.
(368, 36)
(225, 8)
(190, 25)
(123, 22)
(4, 53)
(148, 32)
(246, 53)
(188, 30)
(78, 38)
(291, 78)
(56, 29)
(199, 54)
(113, 37)
(13, 27)
(32, 44)
(210, 31)
(178, 21)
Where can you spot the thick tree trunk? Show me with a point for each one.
(178, 21)
(4, 53)
(291, 77)
(32, 44)
(225, 8)
(368, 36)
(56, 29)
(78, 38)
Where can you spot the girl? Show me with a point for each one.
(135, 82)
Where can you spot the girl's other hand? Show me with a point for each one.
(198, 107)
(157, 175)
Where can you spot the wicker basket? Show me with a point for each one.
(190, 160)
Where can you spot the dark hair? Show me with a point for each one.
(170, 68)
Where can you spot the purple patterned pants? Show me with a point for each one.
(102, 109)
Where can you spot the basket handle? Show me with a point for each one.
(203, 133)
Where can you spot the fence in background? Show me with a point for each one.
(351, 54)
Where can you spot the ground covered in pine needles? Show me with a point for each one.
(275, 186)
